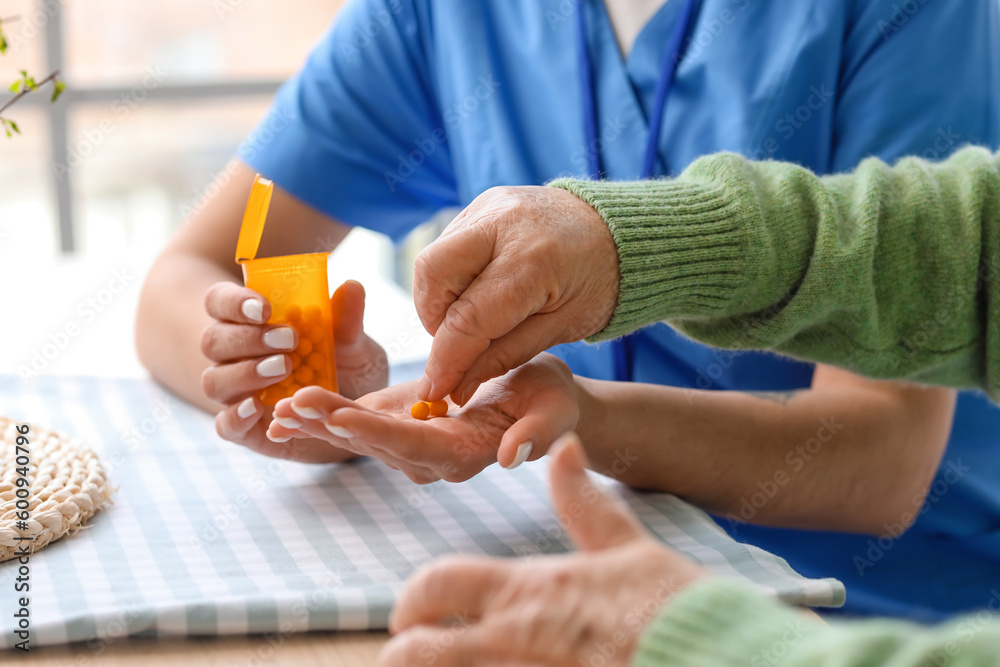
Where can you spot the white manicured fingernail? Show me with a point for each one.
(282, 338)
(340, 432)
(306, 412)
(523, 452)
(288, 422)
(278, 438)
(247, 409)
(272, 366)
(253, 309)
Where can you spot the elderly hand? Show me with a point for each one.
(248, 355)
(579, 609)
(518, 271)
(514, 418)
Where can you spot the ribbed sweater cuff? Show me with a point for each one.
(679, 248)
(722, 623)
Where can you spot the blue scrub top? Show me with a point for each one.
(409, 106)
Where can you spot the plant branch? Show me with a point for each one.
(25, 91)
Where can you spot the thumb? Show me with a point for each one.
(348, 313)
(548, 414)
(593, 519)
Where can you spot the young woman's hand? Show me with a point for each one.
(248, 355)
(511, 419)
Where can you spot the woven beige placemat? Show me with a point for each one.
(66, 485)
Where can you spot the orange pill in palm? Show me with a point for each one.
(305, 375)
(438, 408)
(420, 410)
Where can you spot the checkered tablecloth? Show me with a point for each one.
(207, 538)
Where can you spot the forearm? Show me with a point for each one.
(833, 458)
(719, 623)
(890, 271)
(170, 321)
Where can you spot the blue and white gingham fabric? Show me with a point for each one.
(207, 538)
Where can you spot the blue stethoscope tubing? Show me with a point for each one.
(622, 349)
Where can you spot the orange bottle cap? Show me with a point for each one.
(253, 219)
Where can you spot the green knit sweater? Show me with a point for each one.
(890, 272)
(722, 623)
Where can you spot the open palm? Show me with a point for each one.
(532, 404)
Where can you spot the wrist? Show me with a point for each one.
(591, 412)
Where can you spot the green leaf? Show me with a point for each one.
(14, 87)
(4, 122)
(3, 43)
(27, 81)
(14, 126)
(57, 89)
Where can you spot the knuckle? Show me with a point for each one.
(454, 476)
(209, 382)
(223, 428)
(439, 577)
(210, 341)
(220, 426)
(423, 267)
(463, 319)
(421, 476)
(212, 295)
(497, 192)
(499, 365)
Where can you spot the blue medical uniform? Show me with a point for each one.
(409, 106)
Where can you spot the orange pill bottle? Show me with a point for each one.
(297, 288)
